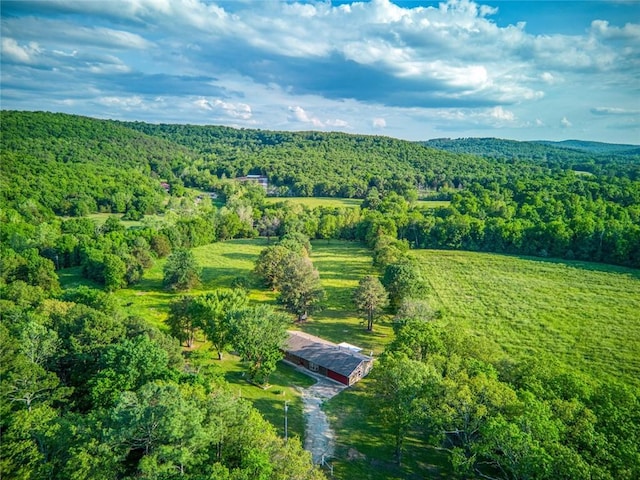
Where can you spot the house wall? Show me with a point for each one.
(337, 377)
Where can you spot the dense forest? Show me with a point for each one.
(90, 391)
(529, 199)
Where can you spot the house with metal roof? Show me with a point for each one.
(343, 363)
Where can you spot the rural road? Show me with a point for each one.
(319, 437)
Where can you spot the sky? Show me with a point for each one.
(522, 70)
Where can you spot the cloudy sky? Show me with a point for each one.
(408, 69)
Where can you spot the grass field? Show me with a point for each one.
(100, 218)
(283, 386)
(584, 315)
(341, 266)
(313, 202)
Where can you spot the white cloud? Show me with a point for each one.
(565, 123)
(19, 53)
(234, 110)
(337, 123)
(298, 114)
(501, 114)
(126, 103)
(379, 123)
(355, 66)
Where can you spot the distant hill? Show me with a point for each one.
(594, 157)
(594, 147)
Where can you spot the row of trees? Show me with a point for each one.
(256, 332)
(522, 203)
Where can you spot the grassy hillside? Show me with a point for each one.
(582, 314)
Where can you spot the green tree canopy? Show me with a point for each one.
(258, 334)
(370, 297)
(181, 272)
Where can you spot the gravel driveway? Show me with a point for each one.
(319, 437)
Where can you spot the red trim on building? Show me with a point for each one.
(337, 377)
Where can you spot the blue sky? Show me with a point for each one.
(416, 70)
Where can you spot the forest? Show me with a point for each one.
(91, 390)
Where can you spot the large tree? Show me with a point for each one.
(400, 387)
(300, 289)
(270, 265)
(370, 297)
(212, 312)
(181, 321)
(258, 334)
(181, 272)
(403, 280)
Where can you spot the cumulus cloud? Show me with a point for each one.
(233, 110)
(565, 123)
(19, 53)
(457, 61)
(298, 114)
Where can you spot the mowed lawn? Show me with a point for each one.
(584, 315)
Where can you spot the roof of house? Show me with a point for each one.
(324, 353)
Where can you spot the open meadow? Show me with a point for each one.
(583, 315)
(313, 202)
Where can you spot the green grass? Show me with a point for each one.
(341, 265)
(432, 203)
(353, 415)
(584, 315)
(100, 218)
(283, 386)
(313, 202)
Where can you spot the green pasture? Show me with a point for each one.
(582, 315)
(365, 449)
(432, 203)
(313, 202)
(100, 218)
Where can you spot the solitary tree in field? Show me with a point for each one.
(181, 321)
(300, 289)
(181, 272)
(213, 311)
(270, 265)
(370, 297)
